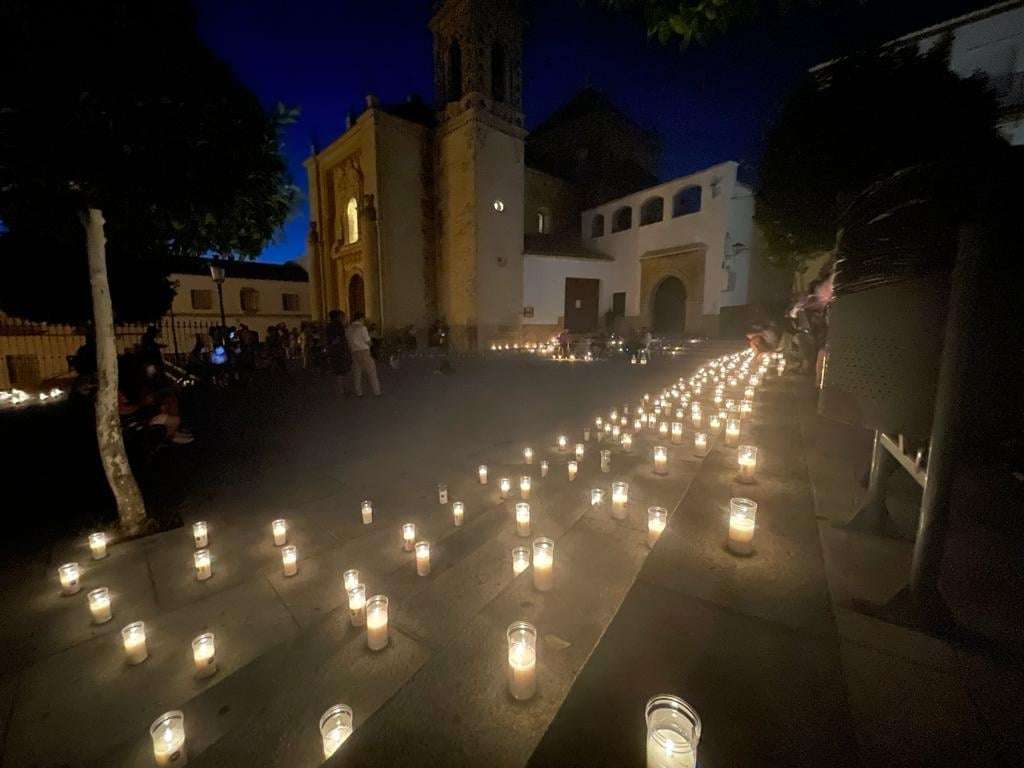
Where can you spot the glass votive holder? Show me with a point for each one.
(442, 493)
(525, 483)
(357, 604)
(351, 578)
(377, 622)
(367, 511)
(98, 545)
(482, 474)
(204, 655)
(606, 461)
(544, 468)
(70, 578)
(520, 560)
(673, 733)
(528, 455)
(504, 487)
(563, 442)
(638, 425)
(458, 513)
(742, 519)
(408, 536)
(746, 458)
(522, 519)
(99, 605)
(700, 444)
(620, 497)
(677, 432)
(627, 441)
(715, 423)
(657, 519)
(596, 497)
(280, 531)
(732, 431)
(335, 728)
(422, 558)
(543, 564)
(573, 467)
(580, 448)
(522, 660)
(660, 457)
(289, 560)
(200, 534)
(133, 637)
(203, 564)
(168, 735)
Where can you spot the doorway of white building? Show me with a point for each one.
(669, 317)
(581, 297)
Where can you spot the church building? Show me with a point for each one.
(454, 212)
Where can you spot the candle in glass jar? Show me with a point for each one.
(579, 451)
(335, 728)
(442, 493)
(367, 510)
(563, 442)
(133, 637)
(98, 545)
(168, 735)
(357, 604)
(673, 732)
(544, 469)
(482, 472)
(377, 622)
(586, 437)
(522, 519)
(638, 424)
(200, 535)
(700, 443)
(660, 460)
(522, 660)
(627, 441)
(742, 519)
(715, 423)
(677, 432)
(657, 519)
(732, 431)
(528, 455)
(203, 564)
(520, 560)
(524, 486)
(204, 655)
(351, 578)
(504, 487)
(69, 578)
(748, 393)
(663, 429)
(458, 513)
(620, 496)
(573, 469)
(746, 407)
(543, 564)
(746, 457)
(606, 461)
(422, 558)
(289, 560)
(408, 536)
(280, 529)
(596, 497)
(99, 605)
(696, 415)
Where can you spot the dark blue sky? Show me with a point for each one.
(709, 104)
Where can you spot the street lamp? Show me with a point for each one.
(217, 273)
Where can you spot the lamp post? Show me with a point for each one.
(217, 273)
(175, 284)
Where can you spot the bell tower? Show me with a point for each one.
(479, 167)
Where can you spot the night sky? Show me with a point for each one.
(708, 104)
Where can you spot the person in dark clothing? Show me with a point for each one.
(339, 357)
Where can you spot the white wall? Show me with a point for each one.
(271, 310)
(544, 285)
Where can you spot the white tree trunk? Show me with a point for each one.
(130, 508)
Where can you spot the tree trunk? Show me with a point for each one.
(130, 509)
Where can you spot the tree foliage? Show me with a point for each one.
(120, 106)
(861, 119)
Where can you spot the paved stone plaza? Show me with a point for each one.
(780, 671)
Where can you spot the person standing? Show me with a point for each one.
(359, 343)
(339, 359)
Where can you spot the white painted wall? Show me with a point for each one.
(544, 285)
(271, 305)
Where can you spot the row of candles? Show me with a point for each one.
(673, 726)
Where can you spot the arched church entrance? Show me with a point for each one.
(669, 316)
(356, 296)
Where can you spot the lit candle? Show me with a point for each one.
(579, 451)
(573, 469)
(613, 415)
(289, 560)
(660, 460)
(204, 655)
(335, 728)
(620, 496)
(742, 517)
(596, 497)
(746, 407)
(280, 529)
(657, 519)
(696, 415)
(520, 560)
(504, 487)
(748, 393)
(203, 564)
(442, 493)
(168, 735)
(528, 455)
(627, 441)
(367, 510)
(700, 443)
(351, 578)
(586, 437)
(99, 605)
(522, 519)
(482, 472)
(199, 534)
(98, 545)
(673, 732)
(746, 457)
(677, 432)
(69, 578)
(408, 536)
(524, 486)
(458, 513)
(543, 564)
(544, 469)
(606, 461)
(422, 558)
(616, 432)
(732, 431)
(563, 442)
(133, 637)
(357, 604)
(663, 429)
(638, 424)
(377, 622)
(643, 360)
(522, 660)
(715, 423)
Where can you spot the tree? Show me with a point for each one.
(859, 120)
(124, 141)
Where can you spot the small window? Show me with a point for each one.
(544, 221)
(290, 302)
(250, 300)
(597, 226)
(623, 219)
(652, 211)
(352, 221)
(686, 201)
(202, 298)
